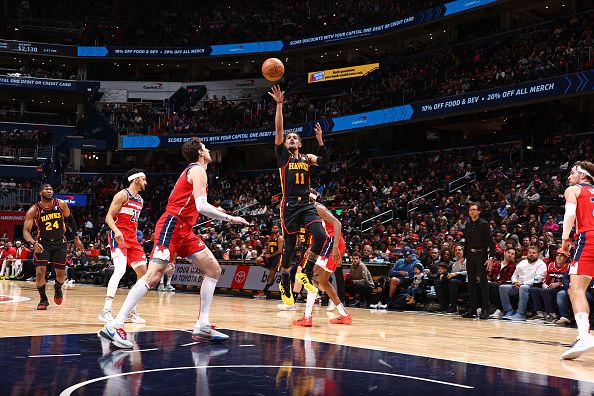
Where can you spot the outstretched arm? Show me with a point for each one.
(324, 156)
(279, 97)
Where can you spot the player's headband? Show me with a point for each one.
(582, 170)
(134, 176)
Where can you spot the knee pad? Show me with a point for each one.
(319, 237)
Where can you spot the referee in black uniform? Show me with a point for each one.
(479, 248)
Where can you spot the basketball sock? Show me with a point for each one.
(286, 280)
(119, 269)
(41, 290)
(309, 304)
(207, 290)
(108, 304)
(134, 295)
(169, 280)
(583, 324)
(341, 310)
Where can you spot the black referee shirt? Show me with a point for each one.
(477, 235)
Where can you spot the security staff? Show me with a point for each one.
(479, 250)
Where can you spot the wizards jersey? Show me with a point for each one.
(127, 218)
(584, 219)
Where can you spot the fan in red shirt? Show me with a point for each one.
(21, 254)
(7, 255)
(544, 298)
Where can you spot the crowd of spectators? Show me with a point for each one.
(131, 118)
(23, 138)
(183, 23)
(533, 53)
(521, 200)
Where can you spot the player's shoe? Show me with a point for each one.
(208, 333)
(342, 320)
(58, 295)
(42, 306)
(133, 317)
(579, 347)
(330, 306)
(285, 307)
(169, 288)
(260, 295)
(303, 321)
(117, 336)
(105, 316)
(304, 279)
(286, 294)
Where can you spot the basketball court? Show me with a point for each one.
(57, 352)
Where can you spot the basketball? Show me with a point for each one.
(273, 69)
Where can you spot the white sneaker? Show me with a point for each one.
(161, 287)
(375, 306)
(169, 288)
(382, 306)
(135, 318)
(563, 321)
(285, 307)
(579, 347)
(496, 315)
(105, 316)
(117, 336)
(330, 306)
(209, 333)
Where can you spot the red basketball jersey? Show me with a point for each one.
(329, 228)
(584, 219)
(181, 202)
(127, 218)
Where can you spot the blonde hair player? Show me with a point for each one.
(326, 263)
(579, 209)
(122, 219)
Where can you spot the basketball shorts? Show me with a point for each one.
(583, 259)
(274, 263)
(173, 238)
(130, 249)
(325, 260)
(295, 214)
(54, 252)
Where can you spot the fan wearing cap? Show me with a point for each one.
(544, 298)
(579, 206)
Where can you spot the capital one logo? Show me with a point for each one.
(360, 120)
(240, 276)
(239, 48)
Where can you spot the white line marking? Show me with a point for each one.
(142, 350)
(66, 354)
(191, 343)
(68, 391)
(247, 345)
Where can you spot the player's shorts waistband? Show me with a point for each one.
(61, 239)
(297, 198)
(180, 220)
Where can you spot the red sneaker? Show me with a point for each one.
(303, 321)
(342, 320)
(42, 306)
(58, 296)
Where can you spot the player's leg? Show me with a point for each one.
(57, 253)
(325, 266)
(139, 267)
(60, 271)
(120, 262)
(577, 293)
(320, 238)
(285, 284)
(169, 272)
(208, 264)
(17, 267)
(40, 271)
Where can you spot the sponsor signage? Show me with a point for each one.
(344, 72)
(555, 87)
(73, 199)
(9, 220)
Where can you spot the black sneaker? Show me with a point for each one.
(451, 311)
(42, 306)
(58, 296)
(484, 314)
(469, 314)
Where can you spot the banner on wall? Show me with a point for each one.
(8, 221)
(344, 72)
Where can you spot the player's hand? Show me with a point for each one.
(238, 220)
(336, 255)
(119, 237)
(79, 245)
(318, 130)
(566, 245)
(37, 247)
(277, 94)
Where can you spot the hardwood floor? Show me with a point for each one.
(526, 347)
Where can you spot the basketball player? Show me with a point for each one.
(122, 219)
(173, 237)
(579, 209)
(326, 264)
(52, 218)
(296, 210)
(272, 257)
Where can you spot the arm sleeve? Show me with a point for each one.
(208, 210)
(323, 156)
(282, 155)
(71, 227)
(568, 219)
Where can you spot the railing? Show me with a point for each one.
(468, 178)
(412, 205)
(36, 153)
(384, 217)
(13, 197)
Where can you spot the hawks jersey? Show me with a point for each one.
(127, 218)
(50, 221)
(584, 219)
(272, 245)
(294, 173)
(181, 202)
